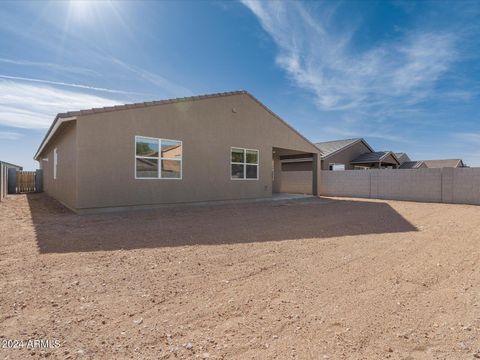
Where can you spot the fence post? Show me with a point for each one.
(12, 180)
(447, 185)
(39, 180)
(316, 175)
(374, 182)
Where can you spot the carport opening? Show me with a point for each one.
(293, 172)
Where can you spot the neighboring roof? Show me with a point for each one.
(7, 164)
(373, 157)
(328, 148)
(402, 157)
(411, 165)
(71, 115)
(444, 163)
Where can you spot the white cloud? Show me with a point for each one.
(49, 66)
(169, 87)
(80, 86)
(325, 61)
(10, 135)
(468, 137)
(35, 106)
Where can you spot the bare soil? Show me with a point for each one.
(306, 279)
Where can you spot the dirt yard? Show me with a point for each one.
(306, 279)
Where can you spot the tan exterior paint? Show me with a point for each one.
(64, 187)
(103, 160)
(346, 155)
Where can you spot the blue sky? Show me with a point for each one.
(403, 75)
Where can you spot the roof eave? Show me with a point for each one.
(59, 120)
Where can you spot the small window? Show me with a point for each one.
(336, 167)
(158, 158)
(244, 164)
(55, 161)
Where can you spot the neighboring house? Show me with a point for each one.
(376, 160)
(348, 154)
(201, 148)
(338, 154)
(335, 155)
(4, 166)
(412, 165)
(402, 157)
(433, 164)
(453, 163)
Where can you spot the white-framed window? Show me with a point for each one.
(55, 162)
(244, 164)
(336, 167)
(158, 158)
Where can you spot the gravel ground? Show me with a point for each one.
(306, 279)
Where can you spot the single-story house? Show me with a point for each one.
(376, 160)
(346, 154)
(444, 163)
(433, 164)
(202, 148)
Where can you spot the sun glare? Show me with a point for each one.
(85, 10)
(81, 7)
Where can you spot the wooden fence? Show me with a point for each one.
(26, 182)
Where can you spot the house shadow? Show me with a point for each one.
(58, 230)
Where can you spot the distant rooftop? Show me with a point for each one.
(411, 165)
(330, 147)
(444, 163)
(371, 157)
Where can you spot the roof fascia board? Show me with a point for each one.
(53, 129)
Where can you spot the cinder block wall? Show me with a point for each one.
(352, 183)
(466, 186)
(296, 182)
(449, 185)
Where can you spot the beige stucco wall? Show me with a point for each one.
(449, 185)
(296, 182)
(64, 187)
(208, 128)
(345, 156)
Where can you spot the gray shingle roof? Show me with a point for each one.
(411, 165)
(371, 157)
(402, 157)
(329, 147)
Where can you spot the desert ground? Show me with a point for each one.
(318, 278)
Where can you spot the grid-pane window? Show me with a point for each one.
(243, 164)
(158, 158)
